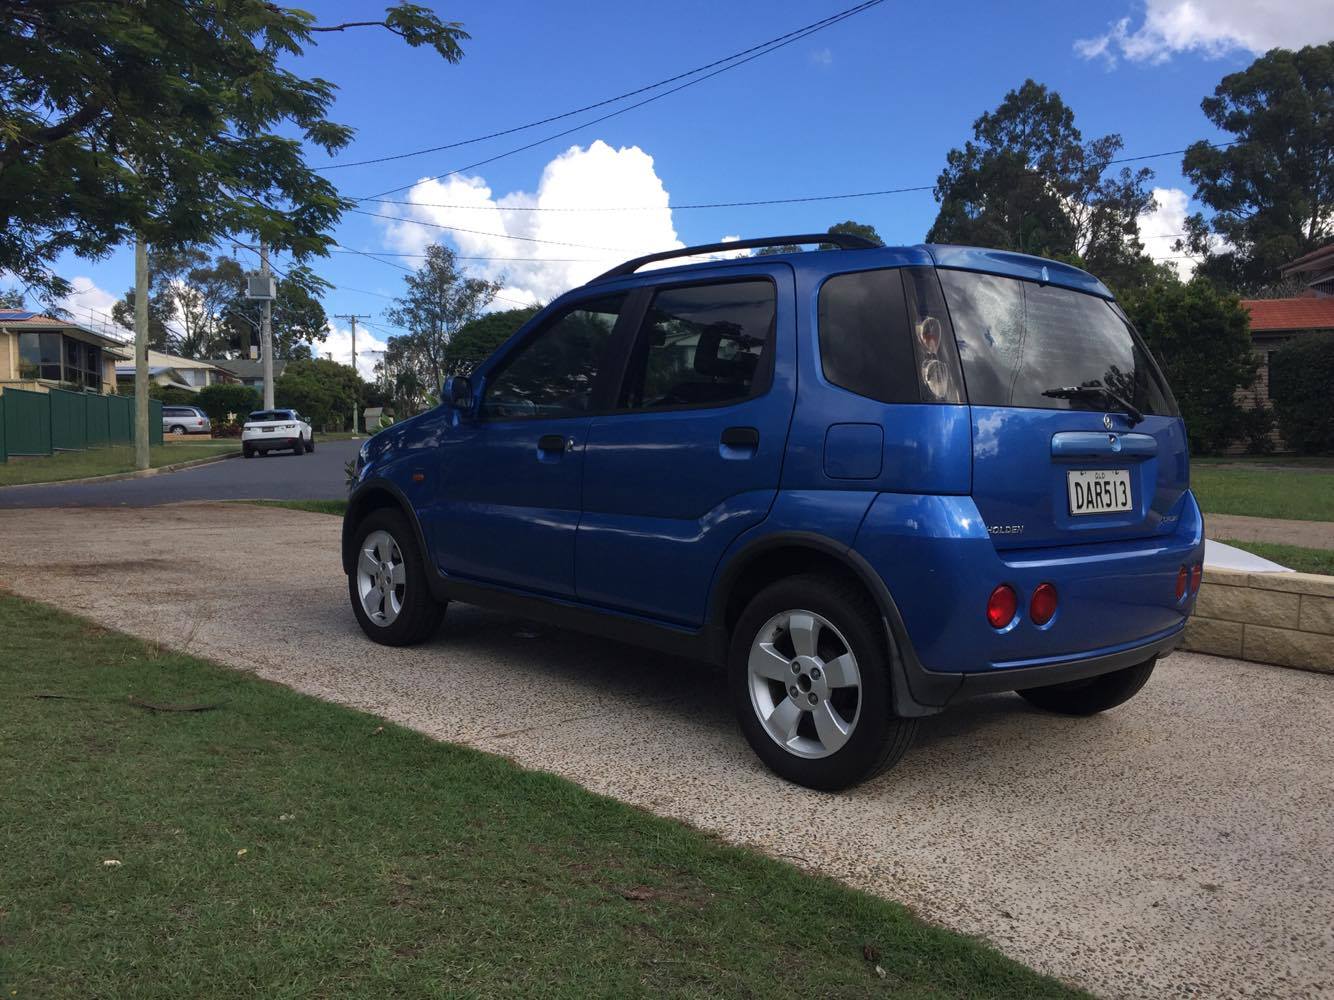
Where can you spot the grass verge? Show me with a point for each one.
(1303, 560)
(104, 461)
(338, 507)
(1264, 492)
(282, 846)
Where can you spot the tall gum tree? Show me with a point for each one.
(163, 120)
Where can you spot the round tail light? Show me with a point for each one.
(1002, 605)
(1183, 581)
(1196, 577)
(1042, 608)
(928, 332)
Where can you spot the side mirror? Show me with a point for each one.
(456, 393)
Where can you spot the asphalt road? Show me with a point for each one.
(278, 476)
(1178, 846)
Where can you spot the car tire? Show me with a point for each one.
(300, 448)
(867, 737)
(310, 445)
(419, 613)
(176, 429)
(1094, 694)
(247, 451)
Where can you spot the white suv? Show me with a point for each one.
(274, 430)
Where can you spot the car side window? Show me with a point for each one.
(702, 345)
(553, 373)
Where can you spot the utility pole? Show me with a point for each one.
(141, 453)
(266, 329)
(352, 318)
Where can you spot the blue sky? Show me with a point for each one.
(874, 102)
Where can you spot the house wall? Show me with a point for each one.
(1258, 393)
(9, 356)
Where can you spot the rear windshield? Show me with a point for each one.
(263, 416)
(1018, 339)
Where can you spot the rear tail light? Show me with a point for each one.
(933, 337)
(1002, 605)
(1196, 577)
(1183, 582)
(1042, 608)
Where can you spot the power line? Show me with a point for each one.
(479, 232)
(460, 256)
(793, 37)
(815, 26)
(729, 204)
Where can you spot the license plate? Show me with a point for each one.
(1098, 491)
(267, 430)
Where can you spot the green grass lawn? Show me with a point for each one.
(282, 846)
(1261, 491)
(338, 507)
(105, 461)
(1303, 560)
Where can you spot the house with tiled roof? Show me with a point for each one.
(40, 352)
(1274, 322)
(190, 374)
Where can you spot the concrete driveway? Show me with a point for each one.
(279, 476)
(1179, 846)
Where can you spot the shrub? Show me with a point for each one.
(1301, 374)
(220, 401)
(1201, 338)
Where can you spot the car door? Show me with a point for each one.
(511, 472)
(693, 453)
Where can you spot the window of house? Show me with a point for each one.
(554, 373)
(39, 356)
(92, 366)
(702, 345)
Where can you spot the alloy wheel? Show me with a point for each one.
(805, 684)
(381, 578)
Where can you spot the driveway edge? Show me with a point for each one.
(136, 474)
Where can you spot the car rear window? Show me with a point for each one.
(264, 416)
(1018, 339)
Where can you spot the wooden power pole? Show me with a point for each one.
(356, 406)
(141, 443)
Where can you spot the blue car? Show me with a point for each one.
(866, 481)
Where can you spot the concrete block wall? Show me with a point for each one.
(1283, 618)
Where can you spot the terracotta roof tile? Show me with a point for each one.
(1290, 314)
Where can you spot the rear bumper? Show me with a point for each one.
(1058, 670)
(270, 442)
(933, 555)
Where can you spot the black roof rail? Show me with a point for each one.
(844, 241)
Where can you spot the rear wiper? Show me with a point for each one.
(1094, 388)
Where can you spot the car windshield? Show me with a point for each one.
(1019, 340)
(267, 416)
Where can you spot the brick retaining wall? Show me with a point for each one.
(1283, 618)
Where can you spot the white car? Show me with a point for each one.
(275, 430)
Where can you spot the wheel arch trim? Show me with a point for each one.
(909, 699)
(358, 508)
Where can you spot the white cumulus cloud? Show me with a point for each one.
(89, 305)
(1212, 28)
(556, 250)
(1160, 227)
(337, 346)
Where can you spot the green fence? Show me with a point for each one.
(42, 423)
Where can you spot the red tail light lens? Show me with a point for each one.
(1002, 605)
(1183, 581)
(1042, 608)
(1196, 577)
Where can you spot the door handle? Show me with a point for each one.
(741, 437)
(555, 443)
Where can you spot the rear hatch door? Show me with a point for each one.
(1076, 436)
